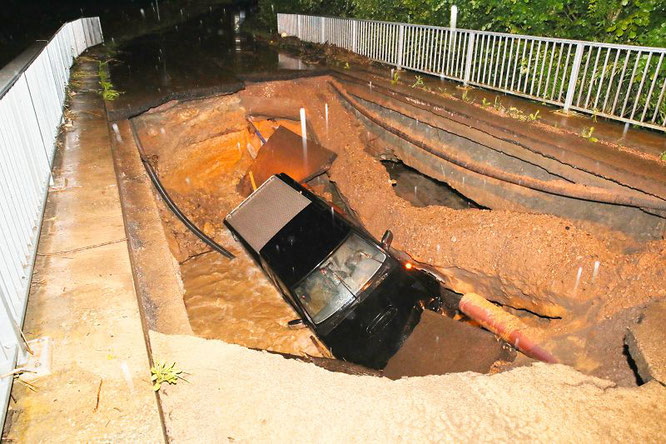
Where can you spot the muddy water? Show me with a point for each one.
(230, 300)
(235, 302)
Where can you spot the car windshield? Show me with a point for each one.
(338, 279)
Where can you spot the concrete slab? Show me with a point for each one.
(244, 395)
(646, 341)
(82, 296)
(439, 345)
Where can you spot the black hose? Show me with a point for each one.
(170, 203)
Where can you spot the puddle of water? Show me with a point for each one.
(201, 54)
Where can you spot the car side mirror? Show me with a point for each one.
(296, 324)
(387, 238)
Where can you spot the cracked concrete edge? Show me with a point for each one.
(645, 343)
(154, 270)
(156, 274)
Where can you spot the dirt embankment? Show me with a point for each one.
(539, 263)
(526, 261)
(199, 151)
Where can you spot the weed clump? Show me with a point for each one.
(108, 92)
(587, 134)
(395, 78)
(162, 373)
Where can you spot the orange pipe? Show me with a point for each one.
(503, 324)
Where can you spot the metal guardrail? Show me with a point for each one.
(621, 82)
(32, 95)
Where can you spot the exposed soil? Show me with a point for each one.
(527, 262)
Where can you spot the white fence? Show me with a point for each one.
(621, 82)
(31, 108)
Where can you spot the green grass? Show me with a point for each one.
(419, 82)
(396, 78)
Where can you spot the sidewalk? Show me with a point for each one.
(83, 298)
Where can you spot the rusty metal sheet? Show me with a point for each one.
(283, 152)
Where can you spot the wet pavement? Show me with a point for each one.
(82, 298)
(204, 56)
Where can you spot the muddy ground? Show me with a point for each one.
(528, 263)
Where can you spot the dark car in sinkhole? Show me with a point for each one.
(359, 298)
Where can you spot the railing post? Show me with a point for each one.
(355, 36)
(298, 26)
(454, 17)
(401, 39)
(574, 76)
(468, 59)
(323, 30)
(453, 24)
(11, 332)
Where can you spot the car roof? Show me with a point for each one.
(310, 237)
(266, 211)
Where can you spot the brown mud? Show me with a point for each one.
(540, 267)
(201, 165)
(235, 302)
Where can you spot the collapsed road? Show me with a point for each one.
(583, 286)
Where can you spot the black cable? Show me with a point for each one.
(170, 203)
(256, 130)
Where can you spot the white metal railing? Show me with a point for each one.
(32, 96)
(621, 82)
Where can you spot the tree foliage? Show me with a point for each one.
(269, 8)
(620, 21)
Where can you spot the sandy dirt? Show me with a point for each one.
(527, 262)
